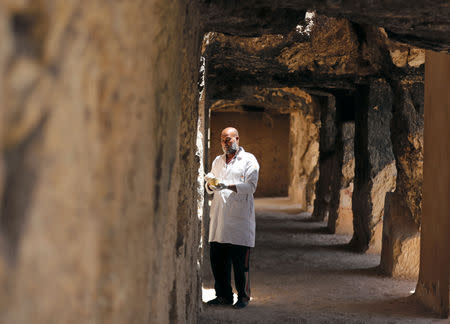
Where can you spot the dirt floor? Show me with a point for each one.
(301, 274)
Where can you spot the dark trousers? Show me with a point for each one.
(222, 255)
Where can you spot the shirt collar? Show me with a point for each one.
(237, 156)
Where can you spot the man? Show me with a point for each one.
(232, 224)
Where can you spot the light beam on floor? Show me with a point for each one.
(208, 294)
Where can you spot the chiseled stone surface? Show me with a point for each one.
(304, 155)
(401, 233)
(400, 252)
(327, 189)
(95, 98)
(375, 170)
(419, 23)
(334, 54)
(344, 220)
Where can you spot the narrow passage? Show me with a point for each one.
(301, 274)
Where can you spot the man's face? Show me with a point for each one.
(229, 141)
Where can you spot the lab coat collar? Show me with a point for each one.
(237, 156)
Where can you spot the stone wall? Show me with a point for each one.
(267, 137)
(96, 96)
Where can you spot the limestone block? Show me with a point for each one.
(404, 56)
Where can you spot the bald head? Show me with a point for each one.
(229, 139)
(230, 131)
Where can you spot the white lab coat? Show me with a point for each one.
(233, 214)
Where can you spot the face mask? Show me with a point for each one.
(231, 149)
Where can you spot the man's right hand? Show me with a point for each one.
(220, 186)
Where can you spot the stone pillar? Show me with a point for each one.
(303, 156)
(341, 221)
(433, 286)
(374, 164)
(329, 170)
(402, 217)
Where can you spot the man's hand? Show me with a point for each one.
(220, 186)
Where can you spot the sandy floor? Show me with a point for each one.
(300, 274)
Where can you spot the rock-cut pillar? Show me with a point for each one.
(433, 286)
(303, 156)
(402, 218)
(375, 170)
(340, 220)
(329, 171)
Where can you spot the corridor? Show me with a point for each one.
(111, 116)
(301, 274)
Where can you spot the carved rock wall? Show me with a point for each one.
(96, 96)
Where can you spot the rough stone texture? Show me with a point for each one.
(264, 135)
(400, 253)
(250, 21)
(401, 232)
(407, 139)
(335, 54)
(421, 23)
(327, 189)
(273, 100)
(375, 170)
(332, 56)
(433, 286)
(343, 224)
(344, 221)
(96, 97)
(303, 157)
(187, 282)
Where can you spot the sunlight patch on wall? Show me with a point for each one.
(309, 23)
